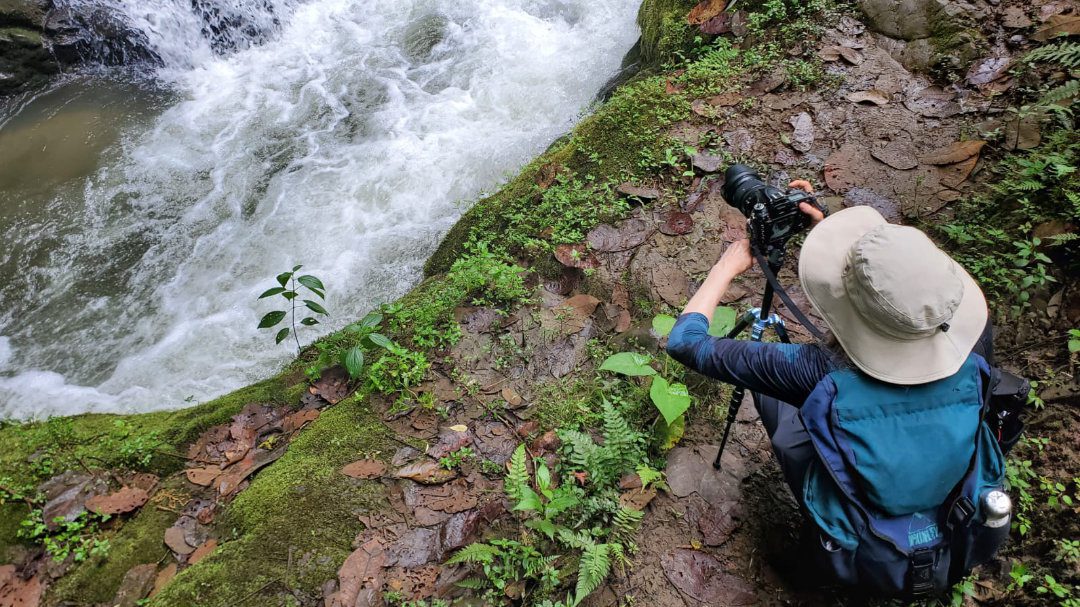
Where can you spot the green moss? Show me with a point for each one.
(301, 505)
(11, 515)
(665, 34)
(136, 542)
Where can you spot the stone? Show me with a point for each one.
(908, 19)
(701, 576)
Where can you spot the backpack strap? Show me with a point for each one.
(921, 579)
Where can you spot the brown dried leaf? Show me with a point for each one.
(17, 592)
(872, 96)
(545, 177)
(426, 472)
(1014, 17)
(725, 99)
(365, 469)
(622, 236)
(576, 256)
(637, 499)
(988, 70)
(361, 577)
(954, 153)
(174, 539)
(204, 477)
(636, 191)
(120, 502)
(202, 552)
(705, 10)
(333, 385)
(512, 398)
(850, 55)
(933, 102)
(1058, 25)
(830, 53)
(955, 174)
(676, 223)
(295, 421)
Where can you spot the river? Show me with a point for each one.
(142, 214)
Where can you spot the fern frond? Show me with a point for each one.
(594, 568)
(1069, 90)
(579, 448)
(1059, 239)
(576, 541)
(626, 522)
(473, 583)
(1065, 53)
(533, 568)
(475, 553)
(517, 479)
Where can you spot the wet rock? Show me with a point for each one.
(137, 583)
(910, 19)
(702, 577)
(706, 162)
(66, 495)
(622, 236)
(889, 209)
(802, 139)
(897, 154)
(416, 547)
(932, 102)
(690, 470)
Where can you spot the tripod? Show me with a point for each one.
(758, 320)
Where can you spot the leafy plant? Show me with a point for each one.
(1019, 575)
(76, 538)
(290, 288)
(1074, 341)
(455, 459)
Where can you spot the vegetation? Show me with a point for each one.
(290, 292)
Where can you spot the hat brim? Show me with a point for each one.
(898, 361)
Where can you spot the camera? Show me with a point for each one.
(774, 215)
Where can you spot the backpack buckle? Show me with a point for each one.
(961, 512)
(922, 572)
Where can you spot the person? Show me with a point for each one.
(881, 440)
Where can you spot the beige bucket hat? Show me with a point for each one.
(902, 309)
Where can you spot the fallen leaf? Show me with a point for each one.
(932, 102)
(365, 469)
(702, 577)
(545, 177)
(635, 191)
(1058, 25)
(203, 477)
(725, 99)
(17, 592)
(897, 154)
(460, 428)
(426, 472)
(295, 421)
(953, 153)
(120, 502)
(202, 552)
(637, 499)
(768, 83)
(576, 256)
(709, 163)
(360, 579)
(332, 385)
(871, 96)
(803, 137)
(705, 10)
(988, 70)
(850, 55)
(163, 578)
(622, 236)
(676, 223)
(830, 53)
(955, 174)
(174, 539)
(740, 140)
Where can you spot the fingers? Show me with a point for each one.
(803, 185)
(815, 213)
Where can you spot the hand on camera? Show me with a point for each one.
(815, 213)
(736, 259)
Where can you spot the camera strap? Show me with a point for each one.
(779, 290)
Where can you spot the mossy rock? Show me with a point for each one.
(664, 30)
(27, 13)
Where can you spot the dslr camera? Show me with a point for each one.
(773, 214)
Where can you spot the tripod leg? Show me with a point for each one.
(743, 323)
(781, 332)
(732, 413)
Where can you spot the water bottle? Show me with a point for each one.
(996, 507)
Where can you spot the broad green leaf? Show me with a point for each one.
(307, 322)
(723, 321)
(543, 477)
(671, 399)
(283, 278)
(311, 282)
(371, 320)
(271, 319)
(666, 436)
(529, 501)
(1074, 345)
(295, 268)
(543, 526)
(382, 341)
(281, 335)
(290, 295)
(272, 292)
(315, 307)
(629, 363)
(354, 361)
(662, 324)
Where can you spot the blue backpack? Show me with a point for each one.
(893, 497)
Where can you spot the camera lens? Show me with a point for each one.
(740, 184)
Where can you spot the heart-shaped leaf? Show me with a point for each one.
(629, 363)
(271, 319)
(671, 399)
(723, 320)
(662, 324)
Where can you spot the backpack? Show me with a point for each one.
(893, 500)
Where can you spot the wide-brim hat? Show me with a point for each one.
(901, 308)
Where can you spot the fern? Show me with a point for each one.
(473, 583)
(1069, 90)
(580, 450)
(594, 568)
(1064, 53)
(622, 444)
(534, 568)
(626, 523)
(475, 553)
(517, 479)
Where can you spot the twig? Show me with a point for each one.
(167, 509)
(245, 598)
(178, 456)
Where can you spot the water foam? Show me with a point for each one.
(344, 144)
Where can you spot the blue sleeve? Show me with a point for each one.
(788, 372)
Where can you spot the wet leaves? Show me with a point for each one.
(872, 96)
(18, 592)
(1014, 17)
(705, 10)
(899, 155)
(954, 152)
(360, 579)
(706, 162)
(702, 577)
(1058, 25)
(426, 472)
(120, 502)
(332, 385)
(802, 139)
(932, 102)
(174, 539)
(631, 190)
(365, 469)
(837, 52)
(988, 70)
(66, 495)
(206, 549)
(203, 476)
(576, 256)
(676, 223)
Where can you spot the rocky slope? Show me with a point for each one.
(355, 492)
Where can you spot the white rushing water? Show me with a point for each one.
(333, 135)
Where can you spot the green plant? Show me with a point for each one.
(76, 538)
(1074, 341)
(1019, 576)
(455, 459)
(1052, 586)
(1068, 551)
(398, 369)
(290, 291)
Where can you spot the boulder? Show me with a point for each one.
(927, 35)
